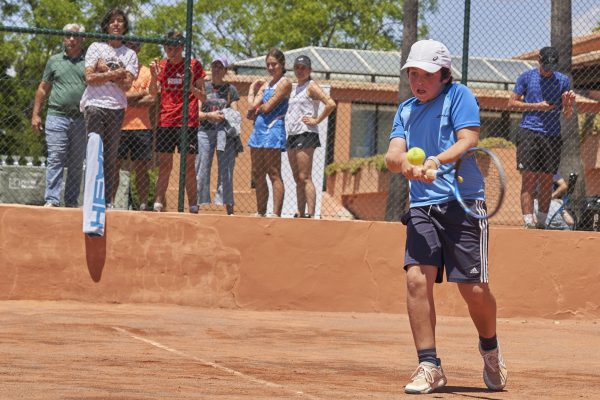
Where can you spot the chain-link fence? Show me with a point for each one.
(55, 88)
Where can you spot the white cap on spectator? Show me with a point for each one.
(429, 55)
(221, 59)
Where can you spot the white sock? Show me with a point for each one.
(528, 219)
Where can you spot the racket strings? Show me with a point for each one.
(493, 178)
(493, 188)
(493, 183)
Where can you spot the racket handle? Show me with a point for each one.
(432, 173)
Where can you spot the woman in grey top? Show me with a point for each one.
(215, 133)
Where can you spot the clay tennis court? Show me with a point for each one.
(211, 311)
(69, 350)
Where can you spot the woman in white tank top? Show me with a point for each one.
(301, 125)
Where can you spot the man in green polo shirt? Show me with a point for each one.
(64, 81)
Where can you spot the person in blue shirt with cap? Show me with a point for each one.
(542, 94)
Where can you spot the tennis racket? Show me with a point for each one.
(467, 170)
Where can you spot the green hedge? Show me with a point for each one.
(354, 165)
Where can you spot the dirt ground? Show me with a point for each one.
(69, 350)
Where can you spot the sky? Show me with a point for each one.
(504, 28)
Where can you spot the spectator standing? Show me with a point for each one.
(301, 125)
(268, 136)
(542, 94)
(252, 91)
(136, 134)
(110, 69)
(168, 78)
(439, 235)
(64, 81)
(215, 134)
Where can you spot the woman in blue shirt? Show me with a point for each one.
(268, 137)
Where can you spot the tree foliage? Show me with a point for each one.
(249, 28)
(23, 58)
(237, 28)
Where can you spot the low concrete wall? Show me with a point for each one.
(276, 264)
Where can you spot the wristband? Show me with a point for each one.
(437, 162)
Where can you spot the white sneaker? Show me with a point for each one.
(495, 373)
(50, 204)
(143, 207)
(158, 207)
(426, 379)
(194, 209)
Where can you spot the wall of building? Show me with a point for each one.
(276, 264)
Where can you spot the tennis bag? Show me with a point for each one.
(94, 202)
(590, 215)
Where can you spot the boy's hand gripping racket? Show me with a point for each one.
(493, 176)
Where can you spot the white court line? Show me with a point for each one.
(216, 366)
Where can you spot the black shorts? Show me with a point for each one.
(443, 235)
(135, 145)
(305, 140)
(106, 122)
(537, 152)
(167, 139)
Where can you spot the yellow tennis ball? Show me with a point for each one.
(415, 156)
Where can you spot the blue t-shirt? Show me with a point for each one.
(432, 127)
(536, 88)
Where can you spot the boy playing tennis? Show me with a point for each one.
(443, 120)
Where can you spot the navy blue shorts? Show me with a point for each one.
(443, 235)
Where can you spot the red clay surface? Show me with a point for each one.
(69, 350)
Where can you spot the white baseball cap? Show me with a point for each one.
(221, 59)
(429, 55)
